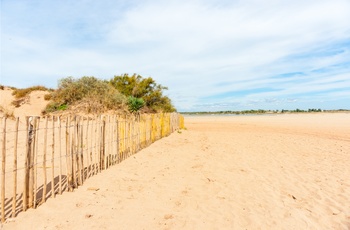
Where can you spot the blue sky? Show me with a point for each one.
(212, 55)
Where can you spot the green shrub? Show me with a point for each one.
(53, 106)
(145, 88)
(62, 107)
(135, 104)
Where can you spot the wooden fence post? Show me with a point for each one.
(60, 154)
(111, 151)
(112, 140)
(75, 154)
(87, 149)
(68, 156)
(25, 191)
(127, 130)
(29, 131)
(32, 163)
(53, 159)
(122, 139)
(93, 145)
(3, 151)
(44, 160)
(81, 149)
(103, 142)
(106, 143)
(117, 139)
(98, 143)
(35, 179)
(14, 197)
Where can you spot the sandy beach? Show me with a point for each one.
(223, 172)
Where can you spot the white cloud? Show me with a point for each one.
(196, 48)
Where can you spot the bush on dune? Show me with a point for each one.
(135, 104)
(122, 93)
(88, 94)
(146, 89)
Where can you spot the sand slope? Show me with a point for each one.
(257, 172)
(33, 104)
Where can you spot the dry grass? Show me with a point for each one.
(20, 93)
(7, 113)
(47, 97)
(18, 102)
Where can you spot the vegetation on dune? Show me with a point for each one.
(146, 89)
(47, 97)
(7, 113)
(92, 95)
(88, 94)
(20, 93)
(18, 102)
(135, 104)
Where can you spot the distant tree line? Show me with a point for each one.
(261, 111)
(301, 111)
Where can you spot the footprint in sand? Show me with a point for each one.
(168, 216)
(197, 166)
(79, 205)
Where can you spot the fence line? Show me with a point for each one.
(45, 156)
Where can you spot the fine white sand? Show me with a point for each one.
(223, 172)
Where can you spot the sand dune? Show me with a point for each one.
(238, 172)
(33, 105)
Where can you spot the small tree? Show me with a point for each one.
(145, 88)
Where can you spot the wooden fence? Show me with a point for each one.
(44, 156)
